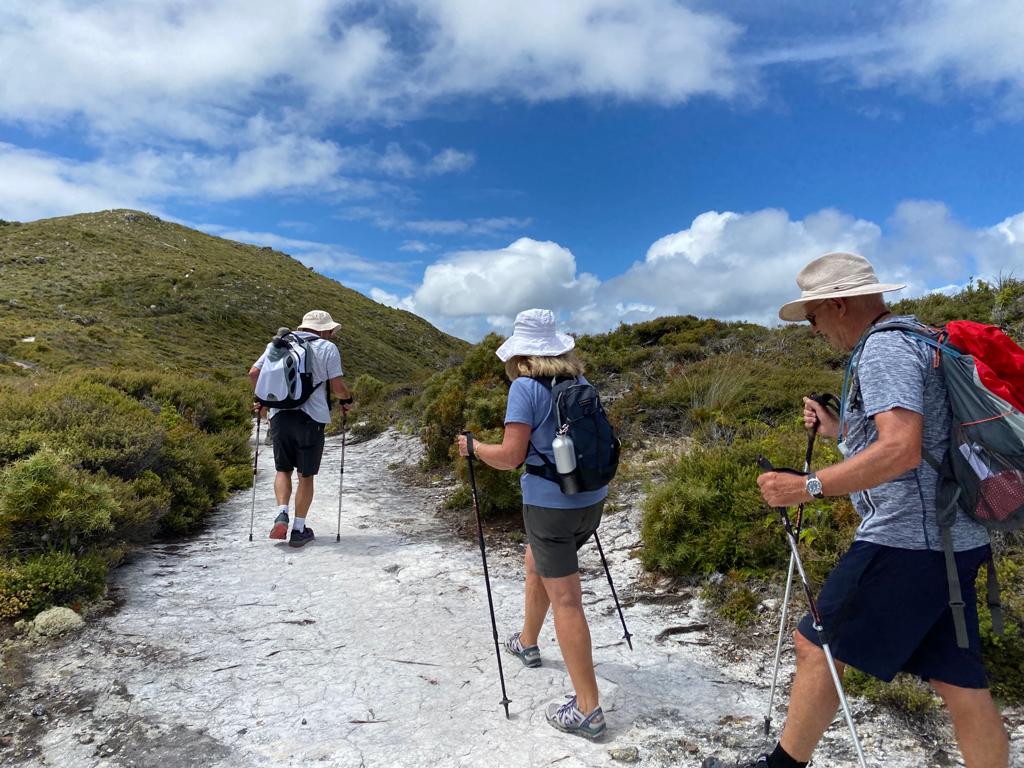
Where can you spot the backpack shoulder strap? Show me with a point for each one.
(547, 470)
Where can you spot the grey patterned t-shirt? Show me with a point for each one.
(893, 370)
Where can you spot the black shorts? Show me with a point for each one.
(298, 442)
(555, 536)
(886, 610)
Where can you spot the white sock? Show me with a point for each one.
(299, 524)
(282, 508)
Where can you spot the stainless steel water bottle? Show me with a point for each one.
(565, 463)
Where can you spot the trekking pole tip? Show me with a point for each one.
(629, 640)
(767, 726)
(505, 702)
(337, 538)
(250, 537)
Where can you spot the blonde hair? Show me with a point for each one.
(566, 364)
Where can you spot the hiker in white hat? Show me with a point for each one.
(298, 433)
(557, 524)
(886, 606)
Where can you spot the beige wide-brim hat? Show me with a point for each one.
(833, 276)
(534, 334)
(318, 320)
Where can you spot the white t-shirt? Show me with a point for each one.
(326, 366)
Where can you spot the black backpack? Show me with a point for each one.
(579, 414)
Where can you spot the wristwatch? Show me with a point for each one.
(813, 485)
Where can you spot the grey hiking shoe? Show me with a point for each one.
(528, 654)
(280, 529)
(301, 538)
(714, 762)
(568, 718)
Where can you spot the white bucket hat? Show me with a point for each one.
(832, 276)
(534, 334)
(318, 320)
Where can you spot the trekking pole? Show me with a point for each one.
(815, 615)
(341, 470)
(255, 461)
(505, 701)
(626, 636)
(822, 400)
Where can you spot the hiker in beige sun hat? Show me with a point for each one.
(833, 276)
(318, 320)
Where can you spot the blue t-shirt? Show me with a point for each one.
(529, 402)
(894, 370)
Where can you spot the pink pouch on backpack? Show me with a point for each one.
(1001, 495)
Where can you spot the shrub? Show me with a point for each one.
(368, 390)
(707, 515)
(190, 470)
(733, 599)
(498, 490)
(906, 694)
(1004, 654)
(52, 578)
(44, 495)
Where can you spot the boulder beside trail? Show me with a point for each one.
(56, 621)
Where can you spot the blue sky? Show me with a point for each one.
(615, 160)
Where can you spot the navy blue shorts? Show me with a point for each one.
(886, 610)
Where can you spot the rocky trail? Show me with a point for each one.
(377, 651)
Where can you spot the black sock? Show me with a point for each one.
(781, 759)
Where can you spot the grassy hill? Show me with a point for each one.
(126, 288)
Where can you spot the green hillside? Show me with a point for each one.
(126, 288)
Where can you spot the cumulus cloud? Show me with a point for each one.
(727, 265)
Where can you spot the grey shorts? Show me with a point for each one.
(555, 536)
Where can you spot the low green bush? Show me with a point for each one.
(906, 694)
(92, 461)
(32, 584)
(47, 503)
(707, 514)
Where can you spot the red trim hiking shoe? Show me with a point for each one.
(568, 718)
(280, 529)
(301, 538)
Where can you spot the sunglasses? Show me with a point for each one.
(811, 317)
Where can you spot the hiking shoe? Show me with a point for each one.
(568, 718)
(280, 529)
(714, 762)
(528, 654)
(301, 538)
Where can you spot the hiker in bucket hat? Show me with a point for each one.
(885, 605)
(298, 433)
(557, 525)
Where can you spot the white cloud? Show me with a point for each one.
(190, 70)
(470, 292)
(327, 258)
(36, 185)
(977, 42)
(479, 226)
(416, 246)
(727, 265)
